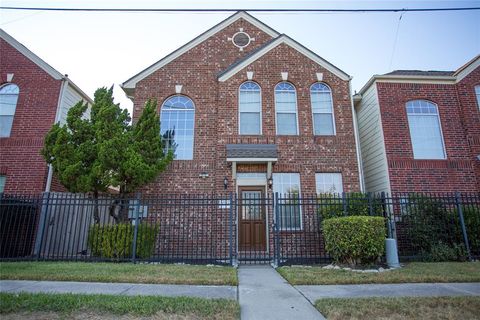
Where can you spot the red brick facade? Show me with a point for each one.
(20, 159)
(460, 123)
(216, 114)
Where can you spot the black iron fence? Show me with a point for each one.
(249, 227)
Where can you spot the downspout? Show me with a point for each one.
(57, 119)
(357, 141)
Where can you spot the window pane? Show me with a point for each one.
(249, 123)
(426, 137)
(477, 93)
(6, 123)
(329, 182)
(288, 187)
(323, 124)
(3, 180)
(178, 114)
(287, 123)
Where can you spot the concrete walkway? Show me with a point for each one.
(129, 289)
(265, 295)
(313, 293)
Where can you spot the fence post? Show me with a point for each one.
(41, 227)
(230, 214)
(458, 203)
(276, 230)
(387, 216)
(370, 206)
(344, 202)
(135, 231)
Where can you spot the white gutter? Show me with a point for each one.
(57, 119)
(357, 141)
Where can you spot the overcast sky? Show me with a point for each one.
(101, 49)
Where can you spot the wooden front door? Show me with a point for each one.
(252, 219)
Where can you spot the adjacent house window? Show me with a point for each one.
(250, 107)
(3, 180)
(286, 108)
(8, 104)
(287, 185)
(425, 130)
(322, 109)
(178, 117)
(477, 93)
(329, 182)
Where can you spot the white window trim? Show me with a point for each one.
(16, 105)
(477, 95)
(194, 114)
(313, 113)
(261, 111)
(439, 125)
(296, 109)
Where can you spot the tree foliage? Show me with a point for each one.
(100, 149)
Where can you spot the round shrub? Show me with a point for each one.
(355, 240)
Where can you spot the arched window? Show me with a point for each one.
(250, 108)
(286, 108)
(322, 110)
(178, 115)
(8, 104)
(477, 93)
(425, 130)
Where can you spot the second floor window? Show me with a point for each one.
(178, 116)
(477, 93)
(286, 109)
(8, 104)
(425, 131)
(322, 110)
(250, 108)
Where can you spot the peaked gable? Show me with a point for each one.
(129, 85)
(283, 39)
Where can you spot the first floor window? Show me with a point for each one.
(287, 185)
(425, 131)
(328, 183)
(3, 180)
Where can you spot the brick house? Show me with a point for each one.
(33, 96)
(420, 130)
(254, 112)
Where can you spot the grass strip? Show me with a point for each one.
(412, 273)
(118, 305)
(119, 272)
(425, 308)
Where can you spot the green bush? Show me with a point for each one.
(441, 252)
(356, 204)
(355, 240)
(116, 241)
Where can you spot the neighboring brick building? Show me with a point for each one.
(420, 130)
(251, 108)
(33, 96)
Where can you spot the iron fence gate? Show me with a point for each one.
(248, 227)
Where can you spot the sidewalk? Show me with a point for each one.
(129, 289)
(313, 293)
(265, 295)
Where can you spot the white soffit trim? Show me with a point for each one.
(30, 55)
(252, 160)
(465, 71)
(295, 45)
(131, 83)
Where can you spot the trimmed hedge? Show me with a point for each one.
(355, 240)
(356, 204)
(116, 241)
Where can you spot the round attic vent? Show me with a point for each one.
(241, 39)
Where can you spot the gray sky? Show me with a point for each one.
(101, 49)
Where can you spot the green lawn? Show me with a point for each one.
(412, 272)
(119, 272)
(68, 306)
(423, 308)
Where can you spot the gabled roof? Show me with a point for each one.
(40, 63)
(248, 59)
(419, 73)
(131, 83)
(468, 67)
